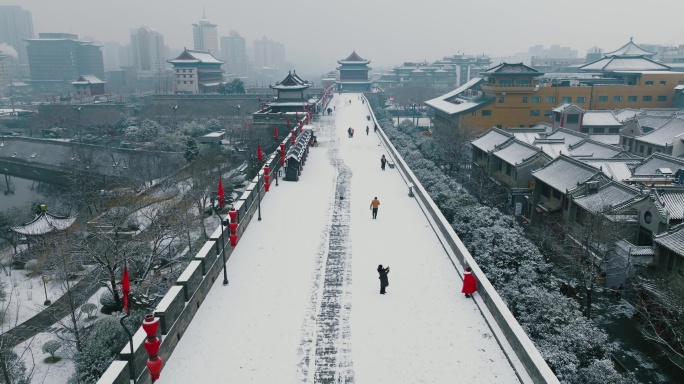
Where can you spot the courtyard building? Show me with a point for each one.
(196, 72)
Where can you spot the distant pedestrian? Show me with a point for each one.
(469, 283)
(349, 132)
(367, 130)
(349, 101)
(375, 127)
(383, 162)
(334, 107)
(384, 280)
(374, 207)
(352, 132)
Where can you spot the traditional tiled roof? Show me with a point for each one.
(657, 161)
(490, 139)
(565, 173)
(624, 63)
(672, 239)
(45, 223)
(190, 56)
(87, 79)
(666, 134)
(616, 169)
(511, 68)
(291, 81)
(600, 119)
(354, 58)
(630, 49)
(613, 139)
(672, 199)
(591, 148)
(625, 114)
(529, 135)
(634, 250)
(515, 152)
(566, 107)
(453, 102)
(652, 121)
(607, 196)
(571, 137)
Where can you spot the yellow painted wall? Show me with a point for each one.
(513, 112)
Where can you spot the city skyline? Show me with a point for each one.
(380, 33)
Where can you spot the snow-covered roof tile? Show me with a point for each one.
(656, 161)
(564, 173)
(450, 103)
(600, 119)
(666, 134)
(490, 139)
(609, 195)
(44, 224)
(515, 152)
(672, 240)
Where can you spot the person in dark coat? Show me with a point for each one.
(349, 132)
(469, 282)
(367, 130)
(384, 281)
(375, 127)
(383, 162)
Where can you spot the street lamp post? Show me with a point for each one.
(223, 249)
(45, 281)
(259, 200)
(175, 109)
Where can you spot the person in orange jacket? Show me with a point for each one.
(469, 282)
(374, 207)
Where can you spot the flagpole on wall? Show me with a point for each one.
(126, 291)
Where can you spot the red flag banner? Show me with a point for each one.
(126, 289)
(275, 132)
(260, 155)
(221, 195)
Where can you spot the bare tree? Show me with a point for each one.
(452, 147)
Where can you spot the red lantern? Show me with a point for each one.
(233, 214)
(267, 170)
(154, 362)
(282, 146)
(233, 226)
(282, 161)
(233, 239)
(267, 179)
(267, 186)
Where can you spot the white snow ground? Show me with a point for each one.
(303, 304)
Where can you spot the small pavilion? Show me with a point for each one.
(45, 223)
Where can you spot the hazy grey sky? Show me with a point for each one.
(316, 33)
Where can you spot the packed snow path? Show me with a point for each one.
(303, 304)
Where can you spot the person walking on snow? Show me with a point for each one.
(367, 130)
(349, 132)
(375, 127)
(374, 207)
(384, 281)
(469, 282)
(383, 161)
(352, 132)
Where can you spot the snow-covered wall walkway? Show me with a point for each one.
(303, 304)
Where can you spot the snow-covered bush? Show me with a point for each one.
(101, 347)
(107, 300)
(51, 347)
(88, 308)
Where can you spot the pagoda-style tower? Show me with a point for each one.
(353, 74)
(291, 96)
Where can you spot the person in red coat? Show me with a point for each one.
(469, 282)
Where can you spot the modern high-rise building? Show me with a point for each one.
(268, 53)
(147, 50)
(205, 36)
(56, 58)
(16, 25)
(110, 55)
(234, 53)
(4, 72)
